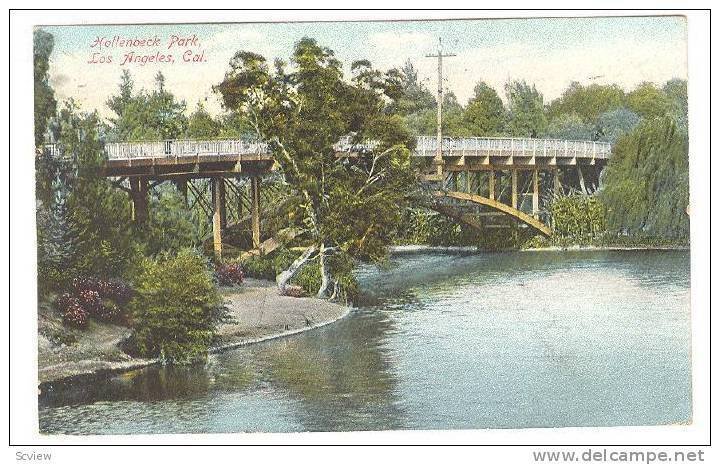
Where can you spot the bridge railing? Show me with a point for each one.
(183, 147)
(427, 146)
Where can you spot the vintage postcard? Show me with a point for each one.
(420, 224)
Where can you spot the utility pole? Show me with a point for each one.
(438, 151)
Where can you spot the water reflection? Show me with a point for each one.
(438, 342)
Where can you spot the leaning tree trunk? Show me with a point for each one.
(325, 274)
(581, 180)
(284, 278)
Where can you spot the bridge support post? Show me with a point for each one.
(223, 203)
(491, 185)
(513, 176)
(556, 182)
(239, 192)
(255, 186)
(217, 216)
(536, 194)
(139, 193)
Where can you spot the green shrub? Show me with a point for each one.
(176, 308)
(269, 266)
(580, 217)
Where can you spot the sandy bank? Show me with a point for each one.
(259, 314)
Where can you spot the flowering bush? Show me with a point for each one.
(90, 301)
(228, 274)
(74, 314)
(93, 297)
(118, 291)
(63, 301)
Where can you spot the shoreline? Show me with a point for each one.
(261, 315)
(419, 249)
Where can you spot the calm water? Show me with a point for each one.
(505, 340)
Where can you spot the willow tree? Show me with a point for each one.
(349, 205)
(647, 182)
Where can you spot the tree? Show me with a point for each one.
(485, 113)
(648, 101)
(587, 102)
(676, 92)
(56, 246)
(119, 103)
(615, 123)
(170, 225)
(646, 185)
(350, 206)
(234, 125)
(99, 214)
(45, 104)
(415, 97)
(201, 125)
(424, 122)
(526, 110)
(453, 120)
(167, 116)
(146, 116)
(570, 127)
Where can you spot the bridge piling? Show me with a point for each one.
(139, 193)
(514, 182)
(536, 194)
(556, 182)
(255, 186)
(491, 184)
(217, 200)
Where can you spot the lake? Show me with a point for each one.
(437, 341)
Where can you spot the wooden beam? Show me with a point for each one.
(491, 183)
(217, 219)
(138, 193)
(507, 209)
(536, 194)
(255, 196)
(514, 181)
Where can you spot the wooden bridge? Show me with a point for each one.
(474, 180)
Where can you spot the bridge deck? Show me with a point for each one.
(237, 155)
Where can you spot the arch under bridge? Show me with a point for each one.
(478, 181)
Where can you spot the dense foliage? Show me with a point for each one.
(578, 216)
(155, 115)
(646, 185)
(44, 96)
(349, 206)
(176, 308)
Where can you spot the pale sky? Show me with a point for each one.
(551, 53)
